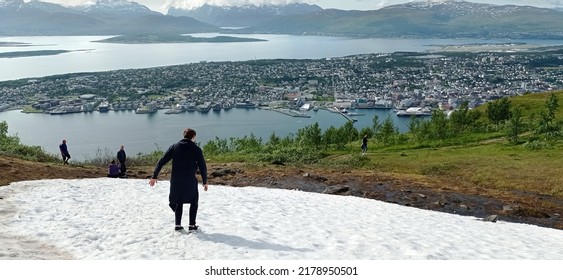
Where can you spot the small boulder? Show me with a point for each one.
(222, 172)
(491, 218)
(278, 162)
(336, 189)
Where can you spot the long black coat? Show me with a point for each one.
(121, 156)
(186, 158)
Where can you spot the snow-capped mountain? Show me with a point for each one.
(115, 8)
(443, 19)
(246, 15)
(11, 3)
(18, 18)
(438, 19)
(458, 8)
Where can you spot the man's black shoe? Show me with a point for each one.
(193, 227)
(178, 228)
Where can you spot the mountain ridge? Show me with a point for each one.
(425, 19)
(442, 19)
(246, 15)
(41, 18)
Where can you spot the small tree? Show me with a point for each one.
(310, 136)
(463, 119)
(499, 111)
(3, 129)
(515, 126)
(348, 133)
(547, 122)
(274, 140)
(439, 125)
(375, 124)
(330, 137)
(414, 128)
(366, 131)
(387, 132)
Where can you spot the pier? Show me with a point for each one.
(335, 110)
(292, 113)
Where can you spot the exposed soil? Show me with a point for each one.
(419, 192)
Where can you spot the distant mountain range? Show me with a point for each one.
(18, 18)
(448, 19)
(244, 16)
(436, 19)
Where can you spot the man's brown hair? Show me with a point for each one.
(189, 133)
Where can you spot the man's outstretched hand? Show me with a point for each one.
(152, 182)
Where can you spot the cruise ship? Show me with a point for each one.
(414, 111)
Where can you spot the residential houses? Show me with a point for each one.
(424, 79)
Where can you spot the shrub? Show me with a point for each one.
(537, 145)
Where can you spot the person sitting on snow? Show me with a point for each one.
(113, 170)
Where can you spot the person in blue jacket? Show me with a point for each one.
(186, 158)
(64, 152)
(113, 170)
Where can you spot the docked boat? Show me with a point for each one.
(351, 114)
(57, 112)
(144, 110)
(204, 108)
(246, 104)
(104, 107)
(227, 106)
(191, 107)
(148, 109)
(414, 111)
(176, 110)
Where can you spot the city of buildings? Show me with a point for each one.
(399, 80)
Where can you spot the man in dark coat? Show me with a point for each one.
(122, 157)
(186, 158)
(64, 152)
(364, 145)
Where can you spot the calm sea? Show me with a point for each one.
(87, 133)
(88, 56)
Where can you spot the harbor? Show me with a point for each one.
(292, 113)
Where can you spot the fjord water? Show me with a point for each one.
(89, 132)
(86, 133)
(89, 56)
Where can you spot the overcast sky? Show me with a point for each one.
(162, 5)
